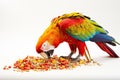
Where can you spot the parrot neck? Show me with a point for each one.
(58, 37)
(55, 36)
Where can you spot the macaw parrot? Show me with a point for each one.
(75, 29)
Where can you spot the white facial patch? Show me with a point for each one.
(46, 46)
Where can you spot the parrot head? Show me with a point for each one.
(49, 40)
(45, 49)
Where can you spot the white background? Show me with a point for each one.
(23, 21)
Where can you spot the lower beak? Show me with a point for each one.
(47, 54)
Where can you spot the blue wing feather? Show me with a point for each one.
(102, 38)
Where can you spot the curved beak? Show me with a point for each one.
(47, 54)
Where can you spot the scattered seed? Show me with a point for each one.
(41, 64)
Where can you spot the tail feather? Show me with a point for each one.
(107, 49)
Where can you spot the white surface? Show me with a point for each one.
(23, 21)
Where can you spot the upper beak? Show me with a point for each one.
(47, 54)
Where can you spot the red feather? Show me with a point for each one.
(81, 47)
(107, 49)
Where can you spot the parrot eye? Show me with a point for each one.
(44, 44)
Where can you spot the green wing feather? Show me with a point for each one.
(86, 30)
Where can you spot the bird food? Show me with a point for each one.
(41, 64)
